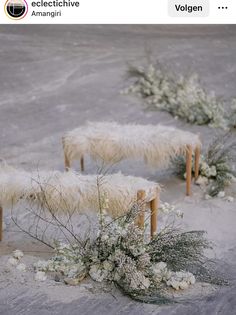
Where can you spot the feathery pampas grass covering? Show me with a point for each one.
(112, 142)
(70, 191)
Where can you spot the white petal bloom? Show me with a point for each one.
(41, 265)
(104, 237)
(12, 261)
(97, 274)
(62, 247)
(213, 171)
(21, 267)
(173, 283)
(192, 279)
(229, 199)
(72, 271)
(40, 276)
(107, 265)
(139, 281)
(116, 276)
(49, 267)
(167, 275)
(179, 213)
(18, 254)
(159, 266)
(202, 180)
(181, 280)
(166, 207)
(145, 283)
(221, 194)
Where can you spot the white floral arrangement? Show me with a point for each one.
(120, 254)
(15, 260)
(183, 97)
(216, 166)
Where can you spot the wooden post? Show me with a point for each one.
(82, 164)
(154, 209)
(141, 202)
(197, 159)
(189, 154)
(67, 162)
(1, 222)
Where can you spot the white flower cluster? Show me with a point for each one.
(181, 280)
(207, 171)
(40, 276)
(100, 272)
(167, 208)
(17, 254)
(176, 280)
(68, 261)
(181, 96)
(161, 272)
(119, 254)
(217, 176)
(15, 260)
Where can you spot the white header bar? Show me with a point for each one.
(118, 12)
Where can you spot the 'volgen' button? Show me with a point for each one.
(188, 8)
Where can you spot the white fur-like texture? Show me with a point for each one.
(69, 191)
(112, 142)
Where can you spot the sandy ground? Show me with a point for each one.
(54, 78)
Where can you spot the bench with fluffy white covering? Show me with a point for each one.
(112, 142)
(69, 191)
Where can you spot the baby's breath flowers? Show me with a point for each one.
(167, 208)
(176, 280)
(183, 97)
(17, 254)
(181, 280)
(15, 258)
(40, 276)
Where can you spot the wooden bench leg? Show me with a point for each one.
(82, 164)
(197, 160)
(141, 217)
(154, 209)
(67, 162)
(1, 222)
(189, 153)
